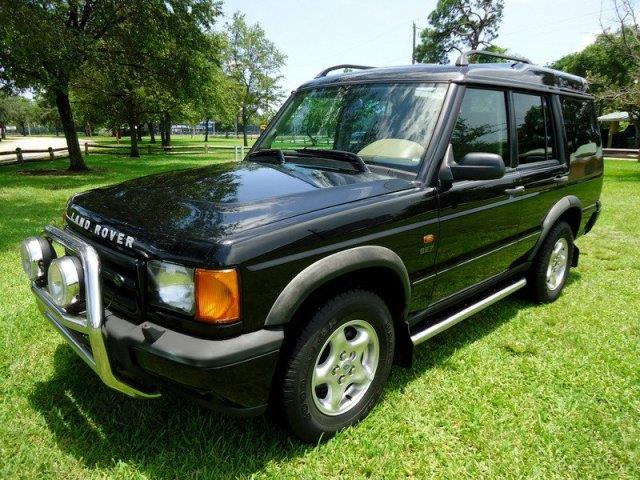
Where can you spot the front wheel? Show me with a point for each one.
(550, 268)
(338, 366)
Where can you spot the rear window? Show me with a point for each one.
(583, 137)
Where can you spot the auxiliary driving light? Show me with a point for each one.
(36, 253)
(65, 280)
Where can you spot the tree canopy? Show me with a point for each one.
(114, 63)
(611, 64)
(254, 63)
(459, 25)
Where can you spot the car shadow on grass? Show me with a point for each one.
(173, 437)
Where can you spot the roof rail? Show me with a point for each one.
(324, 72)
(463, 59)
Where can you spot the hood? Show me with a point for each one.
(212, 204)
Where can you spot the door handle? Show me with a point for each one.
(514, 191)
(561, 179)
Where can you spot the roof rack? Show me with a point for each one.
(324, 72)
(463, 59)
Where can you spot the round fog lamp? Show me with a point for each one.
(36, 254)
(65, 280)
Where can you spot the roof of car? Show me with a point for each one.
(513, 74)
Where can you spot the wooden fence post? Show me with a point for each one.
(206, 148)
(51, 155)
(86, 149)
(19, 155)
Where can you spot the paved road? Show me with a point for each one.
(31, 143)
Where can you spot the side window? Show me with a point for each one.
(482, 124)
(583, 137)
(534, 128)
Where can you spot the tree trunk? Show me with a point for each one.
(163, 140)
(76, 162)
(139, 132)
(167, 128)
(152, 134)
(244, 126)
(206, 130)
(3, 133)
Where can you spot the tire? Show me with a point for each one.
(550, 269)
(313, 409)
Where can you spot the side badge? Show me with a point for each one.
(429, 242)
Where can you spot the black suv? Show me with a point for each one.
(380, 207)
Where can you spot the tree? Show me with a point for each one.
(612, 64)
(23, 112)
(4, 114)
(156, 62)
(254, 63)
(50, 45)
(44, 44)
(459, 25)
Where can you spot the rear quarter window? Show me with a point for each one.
(583, 137)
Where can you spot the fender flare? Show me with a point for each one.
(560, 207)
(329, 268)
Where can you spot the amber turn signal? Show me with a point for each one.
(217, 296)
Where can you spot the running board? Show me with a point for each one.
(449, 322)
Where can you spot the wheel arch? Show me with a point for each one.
(567, 209)
(351, 264)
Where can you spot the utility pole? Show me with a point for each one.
(413, 49)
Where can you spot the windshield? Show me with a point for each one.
(388, 125)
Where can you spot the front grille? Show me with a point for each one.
(123, 282)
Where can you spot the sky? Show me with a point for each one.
(317, 34)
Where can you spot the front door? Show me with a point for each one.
(478, 219)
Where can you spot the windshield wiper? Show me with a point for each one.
(271, 155)
(339, 155)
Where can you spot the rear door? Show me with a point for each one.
(539, 158)
(479, 220)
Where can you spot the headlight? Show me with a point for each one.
(64, 280)
(171, 286)
(36, 254)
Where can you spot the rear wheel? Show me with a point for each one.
(338, 366)
(550, 269)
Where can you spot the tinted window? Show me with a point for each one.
(583, 138)
(481, 125)
(534, 128)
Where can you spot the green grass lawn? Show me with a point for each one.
(516, 391)
(176, 140)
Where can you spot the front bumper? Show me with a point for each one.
(140, 359)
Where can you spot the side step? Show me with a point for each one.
(448, 322)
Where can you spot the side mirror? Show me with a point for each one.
(478, 166)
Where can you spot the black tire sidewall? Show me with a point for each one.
(538, 277)
(303, 416)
